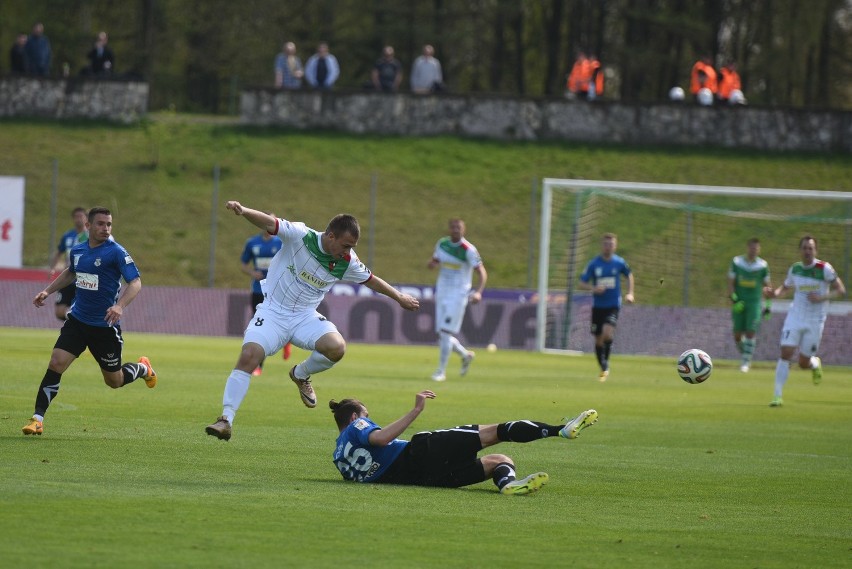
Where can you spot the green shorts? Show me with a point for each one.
(749, 319)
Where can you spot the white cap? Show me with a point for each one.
(676, 94)
(737, 97)
(705, 97)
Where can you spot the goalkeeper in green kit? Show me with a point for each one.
(748, 283)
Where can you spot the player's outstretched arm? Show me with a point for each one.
(406, 301)
(64, 279)
(383, 437)
(261, 219)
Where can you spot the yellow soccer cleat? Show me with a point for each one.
(33, 427)
(151, 377)
(572, 428)
(527, 485)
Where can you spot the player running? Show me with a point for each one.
(814, 282)
(97, 266)
(62, 258)
(748, 283)
(304, 269)
(366, 452)
(602, 276)
(458, 259)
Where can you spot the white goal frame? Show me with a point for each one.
(578, 186)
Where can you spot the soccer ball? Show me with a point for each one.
(694, 366)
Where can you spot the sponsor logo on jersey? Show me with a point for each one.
(606, 282)
(361, 424)
(312, 280)
(87, 281)
(128, 259)
(452, 266)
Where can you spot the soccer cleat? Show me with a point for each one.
(604, 374)
(744, 368)
(288, 349)
(33, 427)
(306, 390)
(777, 402)
(572, 428)
(151, 377)
(439, 376)
(525, 485)
(221, 429)
(257, 371)
(816, 372)
(466, 361)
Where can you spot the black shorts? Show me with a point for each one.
(601, 316)
(256, 298)
(104, 342)
(445, 458)
(65, 296)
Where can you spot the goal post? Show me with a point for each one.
(679, 241)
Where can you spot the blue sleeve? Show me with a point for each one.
(363, 435)
(247, 255)
(128, 267)
(625, 268)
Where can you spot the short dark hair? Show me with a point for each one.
(343, 411)
(753, 240)
(343, 223)
(806, 238)
(98, 210)
(76, 210)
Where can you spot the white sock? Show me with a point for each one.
(38, 418)
(235, 391)
(782, 372)
(445, 344)
(457, 346)
(812, 363)
(748, 345)
(315, 363)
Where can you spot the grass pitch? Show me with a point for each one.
(673, 475)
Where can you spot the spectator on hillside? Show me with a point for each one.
(426, 74)
(586, 79)
(387, 72)
(18, 56)
(703, 76)
(38, 52)
(288, 68)
(101, 59)
(730, 82)
(322, 69)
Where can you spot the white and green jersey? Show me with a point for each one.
(457, 263)
(805, 280)
(749, 277)
(301, 272)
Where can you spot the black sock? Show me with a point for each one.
(606, 348)
(525, 431)
(132, 372)
(503, 474)
(599, 352)
(47, 391)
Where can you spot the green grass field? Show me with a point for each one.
(673, 475)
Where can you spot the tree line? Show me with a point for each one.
(197, 54)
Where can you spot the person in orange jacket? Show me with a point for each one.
(703, 76)
(580, 76)
(596, 78)
(730, 81)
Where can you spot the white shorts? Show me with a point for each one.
(272, 330)
(449, 313)
(804, 336)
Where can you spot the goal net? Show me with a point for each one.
(679, 241)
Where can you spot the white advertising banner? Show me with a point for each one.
(11, 221)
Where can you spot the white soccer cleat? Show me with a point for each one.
(466, 361)
(439, 376)
(744, 368)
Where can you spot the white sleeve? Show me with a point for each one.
(829, 273)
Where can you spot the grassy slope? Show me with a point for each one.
(672, 476)
(163, 213)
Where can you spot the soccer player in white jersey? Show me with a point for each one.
(458, 259)
(815, 282)
(301, 272)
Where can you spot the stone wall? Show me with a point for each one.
(115, 100)
(551, 119)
